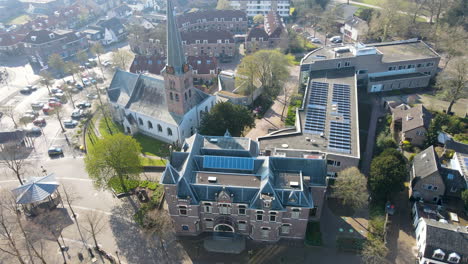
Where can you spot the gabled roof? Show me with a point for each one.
(417, 116)
(274, 25)
(447, 237)
(170, 175)
(113, 24)
(12, 136)
(425, 163)
(356, 22)
(36, 190)
(257, 33)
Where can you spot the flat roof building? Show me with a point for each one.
(326, 124)
(382, 66)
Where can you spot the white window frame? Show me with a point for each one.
(242, 225)
(224, 208)
(287, 231)
(295, 213)
(208, 208)
(438, 252)
(273, 214)
(265, 231)
(210, 221)
(257, 213)
(244, 208)
(182, 207)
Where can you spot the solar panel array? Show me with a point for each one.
(339, 138)
(231, 163)
(316, 108)
(341, 97)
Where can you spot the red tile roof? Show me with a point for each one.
(211, 35)
(10, 39)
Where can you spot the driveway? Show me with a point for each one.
(272, 118)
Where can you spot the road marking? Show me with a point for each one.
(91, 209)
(73, 179)
(6, 181)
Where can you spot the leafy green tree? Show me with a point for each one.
(258, 19)
(56, 62)
(273, 71)
(453, 82)
(385, 140)
(456, 14)
(72, 68)
(351, 188)
(223, 5)
(247, 75)
(464, 196)
(433, 131)
(226, 116)
(387, 174)
(115, 155)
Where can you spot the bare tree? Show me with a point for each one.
(58, 110)
(157, 224)
(9, 111)
(351, 187)
(70, 197)
(9, 241)
(13, 157)
(47, 80)
(453, 82)
(374, 252)
(122, 58)
(94, 225)
(98, 50)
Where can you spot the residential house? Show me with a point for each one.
(167, 107)
(355, 29)
(10, 44)
(273, 34)
(411, 124)
(234, 21)
(213, 43)
(433, 183)
(440, 242)
(221, 184)
(40, 44)
(113, 29)
(253, 8)
(122, 11)
(459, 160)
(383, 66)
(326, 124)
(204, 69)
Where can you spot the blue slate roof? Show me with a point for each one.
(269, 179)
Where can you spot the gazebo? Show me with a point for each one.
(37, 194)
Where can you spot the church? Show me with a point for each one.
(166, 107)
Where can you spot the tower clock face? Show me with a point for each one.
(186, 67)
(170, 69)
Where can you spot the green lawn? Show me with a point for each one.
(19, 20)
(369, 2)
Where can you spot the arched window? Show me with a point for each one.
(185, 96)
(177, 97)
(206, 109)
(169, 132)
(190, 93)
(172, 96)
(140, 121)
(150, 125)
(159, 128)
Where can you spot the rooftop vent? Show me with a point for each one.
(33, 38)
(212, 179)
(307, 138)
(294, 184)
(284, 145)
(213, 140)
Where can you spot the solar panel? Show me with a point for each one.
(231, 163)
(341, 97)
(316, 108)
(339, 138)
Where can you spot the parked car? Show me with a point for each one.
(37, 105)
(39, 122)
(56, 90)
(32, 112)
(314, 40)
(47, 109)
(86, 82)
(92, 96)
(71, 82)
(55, 104)
(26, 118)
(32, 87)
(335, 39)
(79, 86)
(33, 131)
(70, 123)
(83, 105)
(75, 90)
(77, 113)
(59, 96)
(55, 151)
(26, 90)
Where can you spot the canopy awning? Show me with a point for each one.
(36, 190)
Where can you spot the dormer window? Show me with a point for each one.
(51, 35)
(267, 203)
(220, 41)
(454, 258)
(197, 41)
(226, 41)
(33, 38)
(234, 19)
(182, 210)
(216, 19)
(184, 42)
(438, 254)
(205, 41)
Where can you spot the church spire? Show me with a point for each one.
(175, 51)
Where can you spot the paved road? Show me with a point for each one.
(377, 112)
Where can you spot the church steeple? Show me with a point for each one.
(175, 52)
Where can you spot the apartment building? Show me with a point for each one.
(262, 7)
(234, 21)
(381, 66)
(221, 184)
(212, 43)
(326, 124)
(272, 34)
(40, 44)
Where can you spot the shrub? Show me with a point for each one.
(291, 116)
(411, 157)
(406, 145)
(384, 141)
(152, 185)
(144, 184)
